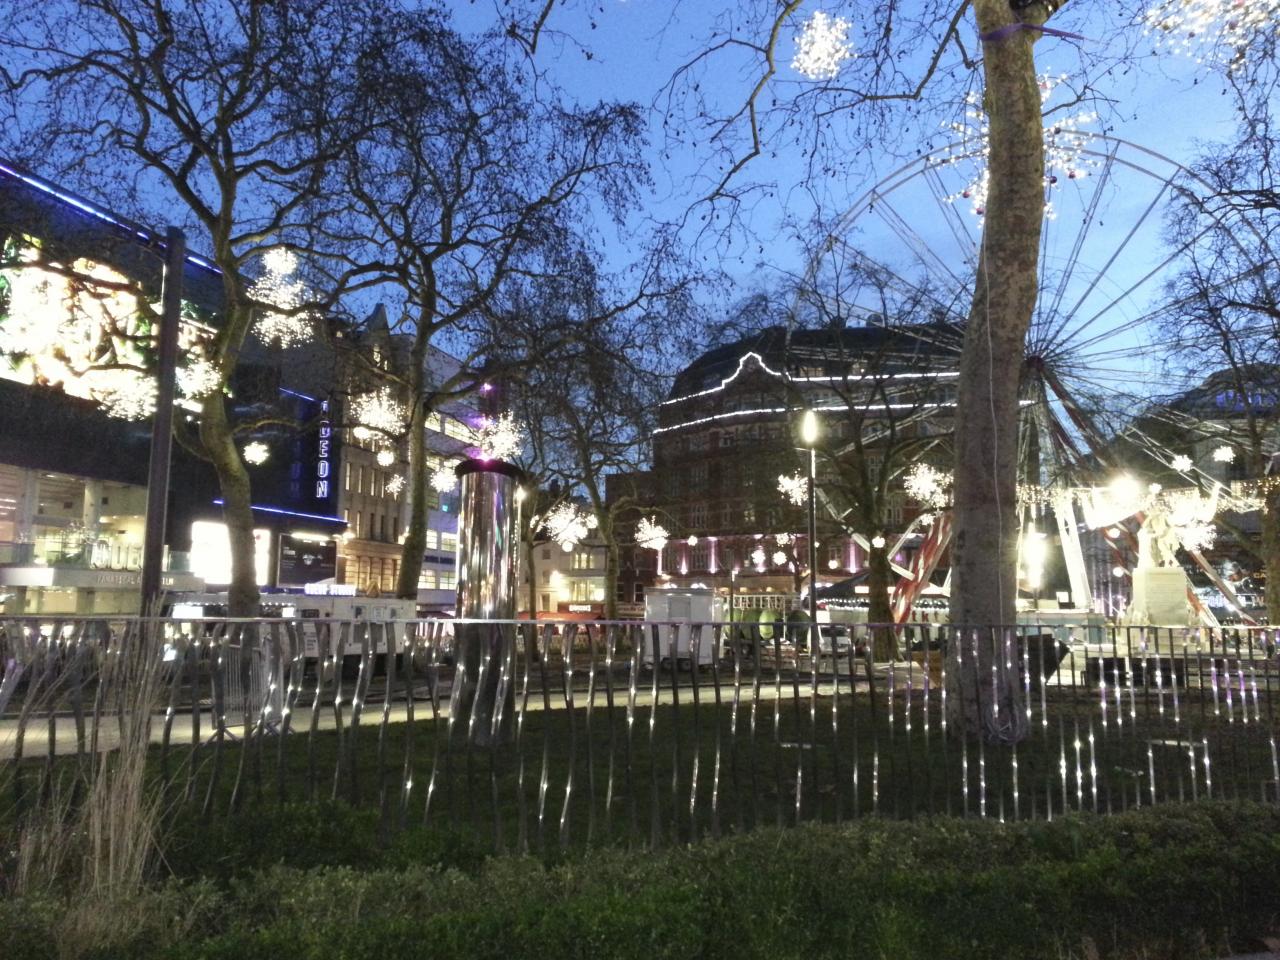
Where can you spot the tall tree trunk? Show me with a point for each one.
(612, 564)
(415, 539)
(1271, 554)
(233, 480)
(529, 548)
(884, 643)
(984, 561)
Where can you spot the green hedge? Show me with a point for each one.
(1179, 881)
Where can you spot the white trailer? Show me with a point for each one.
(684, 610)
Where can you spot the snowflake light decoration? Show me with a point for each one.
(922, 482)
(1065, 140)
(377, 412)
(1181, 463)
(650, 534)
(783, 539)
(779, 558)
(395, 484)
(566, 524)
(1218, 31)
(386, 458)
(277, 288)
(443, 478)
(1224, 454)
(199, 379)
(794, 488)
(1191, 516)
(758, 557)
(499, 438)
(256, 453)
(822, 47)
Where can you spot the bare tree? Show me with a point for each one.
(593, 400)
(228, 113)
(1225, 311)
(474, 176)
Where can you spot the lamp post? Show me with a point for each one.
(809, 434)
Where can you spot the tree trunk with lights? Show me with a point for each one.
(884, 642)
(984, 562)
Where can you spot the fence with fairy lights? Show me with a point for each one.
(545, 735)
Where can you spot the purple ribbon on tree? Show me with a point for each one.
(1009, 29)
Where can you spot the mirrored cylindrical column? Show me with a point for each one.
(483, 694)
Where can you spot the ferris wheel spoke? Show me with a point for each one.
(903, 284)
(1115, 255)
(1090, 215)
(905, 232)
(1164, 308)
(1158, 268)
(959, 228)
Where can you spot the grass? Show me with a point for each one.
(613, 782)
(1183, 881)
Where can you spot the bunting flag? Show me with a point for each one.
(907, 590)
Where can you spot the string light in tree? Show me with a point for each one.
(256, 453)
(200, 378)
(651, 534)
(567, 525)
(81, 332)
(822, 47)
(443, 478)
(395, 484)
(282, 294)
(794, 488)
(1065, 140)
(1219, 31)
(123, 394)
(377, 412)
(499, 438)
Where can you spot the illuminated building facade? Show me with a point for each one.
(728, 432)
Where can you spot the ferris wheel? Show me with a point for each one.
(907, 251)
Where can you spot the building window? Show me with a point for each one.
(546, 576)
(546, 602)
(582, 560)
(449, 542)
(698, 557)
(698, 516)
(546, 553)
(448, 581)
(346, 483)
(357, 530)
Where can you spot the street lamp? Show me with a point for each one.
(809, 435)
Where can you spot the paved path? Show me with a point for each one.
(182, 732)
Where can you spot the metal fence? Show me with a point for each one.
(545, 735)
